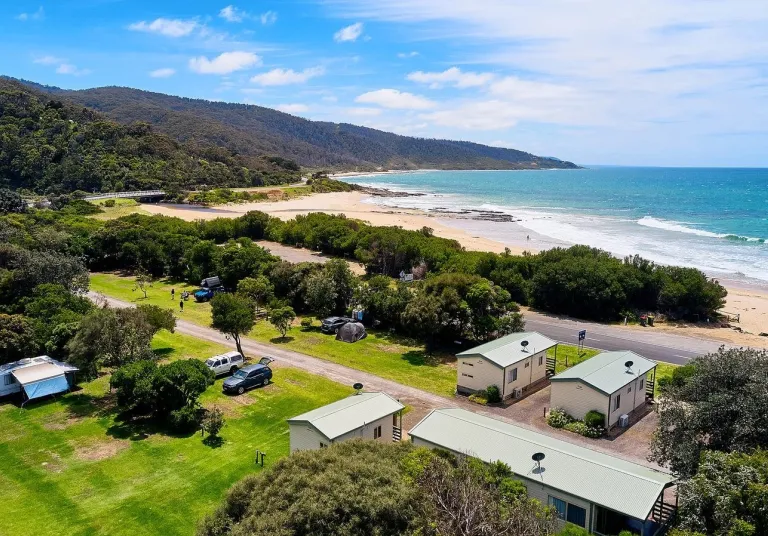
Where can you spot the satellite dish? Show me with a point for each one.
(629, 364)
(538, 457)
(358, 387)
(524, 344)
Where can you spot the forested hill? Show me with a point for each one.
(51, 145)
(254, 130)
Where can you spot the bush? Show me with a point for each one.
(493, 394)
(213, 422)
(186, 419)
(479, 398)
(573, 530)
(594, 419)
(558, 418)
(306, 323)
(109, 203)
(578, 427)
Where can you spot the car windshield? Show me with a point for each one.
(209, 362)
(239, 374)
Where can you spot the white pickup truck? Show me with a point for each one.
(225, 363)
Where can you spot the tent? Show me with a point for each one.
(42, 380)
(351, 332)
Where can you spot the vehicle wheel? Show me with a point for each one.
(265, 382)
(336, 331)
(233, 370)
(240, 390)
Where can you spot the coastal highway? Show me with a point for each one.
(656, 345)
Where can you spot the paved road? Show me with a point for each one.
(659, 346)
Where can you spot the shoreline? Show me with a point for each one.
(750, 301)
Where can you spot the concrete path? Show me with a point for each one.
(421, 402)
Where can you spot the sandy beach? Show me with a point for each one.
(750, 303)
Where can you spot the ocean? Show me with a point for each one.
(713, 219)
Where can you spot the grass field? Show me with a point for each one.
(123, 207)
(69, 466)
(569, 355)
(380, 353)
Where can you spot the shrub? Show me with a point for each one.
(478, 398)
(185, 419)
(573, 530)
(306, 323)
(579, 427)
(558, 418)
(493, 394)
(594, 419)
(109, 203)
(213, 422)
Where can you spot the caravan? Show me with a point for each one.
(36, 377)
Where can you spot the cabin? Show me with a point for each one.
(601, 493)
(516, 363)
(614, 383)
(374, 416)
(36, 377)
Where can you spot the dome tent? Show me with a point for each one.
(351, 332)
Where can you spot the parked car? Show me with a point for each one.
(205, 294)
(249, 377)
(333, 323)
(225, 363)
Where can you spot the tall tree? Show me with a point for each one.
(281, 318)
(258, 289)
(233, 315)
(17, 338)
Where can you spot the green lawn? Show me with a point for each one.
(380, 353)
(569, 355)
(70, 467)
(123, 207)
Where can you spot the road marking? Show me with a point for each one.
(681, 356)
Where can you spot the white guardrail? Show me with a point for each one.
(144, 193)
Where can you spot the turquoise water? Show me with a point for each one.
(713, 219)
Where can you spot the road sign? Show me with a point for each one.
(582, 334)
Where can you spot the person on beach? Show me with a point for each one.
(181, 305)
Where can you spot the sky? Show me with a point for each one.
(652, 82)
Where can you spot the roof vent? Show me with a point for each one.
(629, 364)
(358, 387)
(524, 344)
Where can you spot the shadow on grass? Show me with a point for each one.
(162, 352)
(140, 428)
(213, 441)
(281, 340)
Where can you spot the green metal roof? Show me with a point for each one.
(620, 485)
(606, 371)
(507, 350)
(351, 413)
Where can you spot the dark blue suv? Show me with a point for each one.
(249, 377)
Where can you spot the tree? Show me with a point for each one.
(281, 318)
(135, 388)
(111, 337)
(158, 317)
(421, 318)
(143, 281)
(213, 422)
(721, 404)
(344, 282)
(727, 496)
(17, 338)
(258, 289)
(233, 315)
(320, 294)
(11, 201)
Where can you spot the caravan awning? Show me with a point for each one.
(41, 380)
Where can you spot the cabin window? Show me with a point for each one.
(9, 379)
(576, 515)
(617, 402)
(641, 384)
(541, 360)
(394, 419)
(322, 445)
(467, 375)
(467, 364)
(377, 432)
(560, 506)
(512, 375)
(526, 364)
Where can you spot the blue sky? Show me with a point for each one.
(658, 82)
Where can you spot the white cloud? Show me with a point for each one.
(269, 17)
(453, 76)
(225, 63)
(232, 14)
(283, 77)
(514, 88)
(292, 108)
(392, 98)
(162, 73)
(330, 98)
(70, 69)
(349, 33)
(48, 60)
(482, 115)
(167, 27)
(35, 15)
(363, 111)
(404, 55)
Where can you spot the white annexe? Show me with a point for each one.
(513, 363)
(375, 416)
